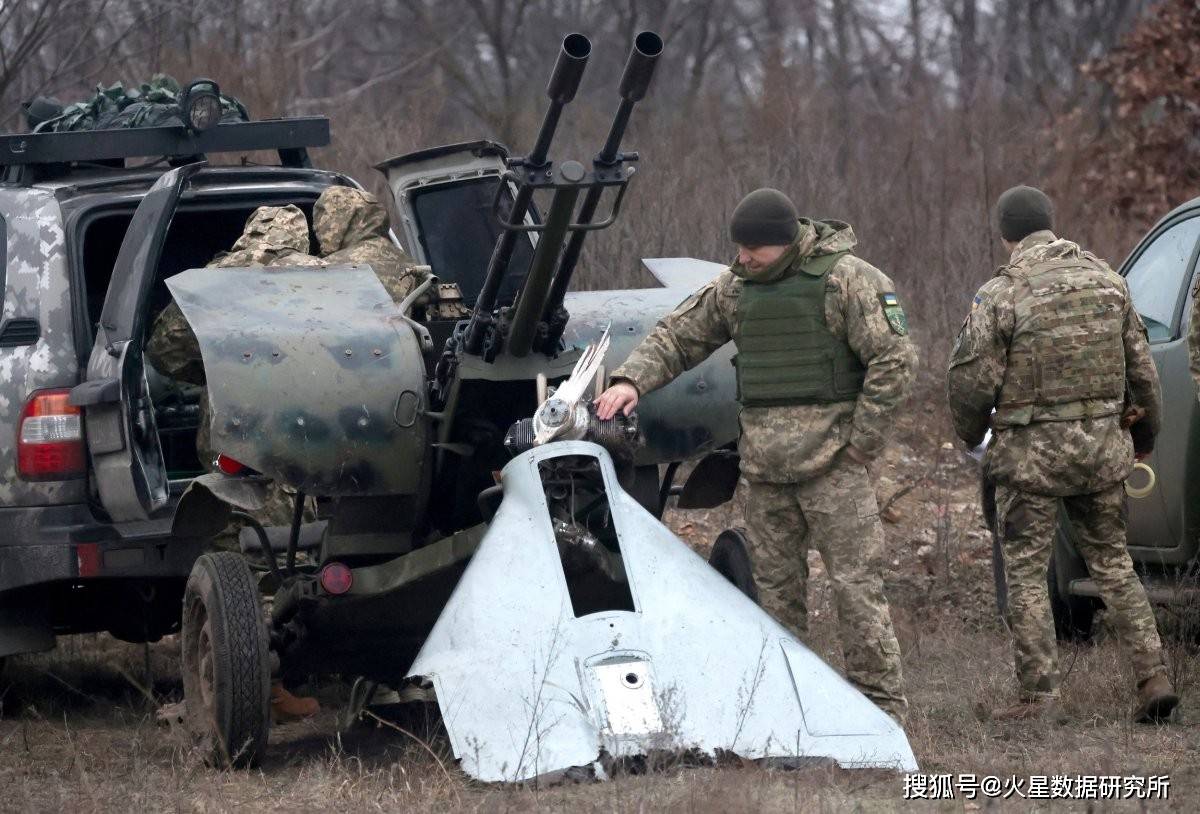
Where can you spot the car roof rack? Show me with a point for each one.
(23, 155)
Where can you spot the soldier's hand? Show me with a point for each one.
(622, 397)
(1132, 416)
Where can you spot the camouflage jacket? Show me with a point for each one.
(352, 228)
(794, 443)
(1064, 457)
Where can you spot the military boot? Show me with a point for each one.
(287, 707)
(1156, 700)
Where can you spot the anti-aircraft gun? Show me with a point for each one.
(473, 524)
(518, 317)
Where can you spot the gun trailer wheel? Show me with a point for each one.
(226, 666)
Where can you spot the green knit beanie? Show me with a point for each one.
(765, 217)
(1021, 211)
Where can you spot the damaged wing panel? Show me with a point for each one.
(540, 664)
(313, 377)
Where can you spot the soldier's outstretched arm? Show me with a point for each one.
(978, 361)
(682, 339)
(877, 331)
(1141, 376)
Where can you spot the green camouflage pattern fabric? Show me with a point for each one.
(1027, 522)
(837, 513)
(352, 228)
(153, 103)
(273, 236)
(1065, 352)
(797, 442)
(1050, 455)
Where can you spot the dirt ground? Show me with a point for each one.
(78, 731)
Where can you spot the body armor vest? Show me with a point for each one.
(1066, 360)
(786, 352)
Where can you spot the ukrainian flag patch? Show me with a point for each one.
(897, 319)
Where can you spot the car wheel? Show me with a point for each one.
(731, 557)
(1073, 615)
(226, 666)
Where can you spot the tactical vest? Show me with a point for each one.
(1066, 360)
(786, 352)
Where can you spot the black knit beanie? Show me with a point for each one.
(1021, 211)
(765, 217)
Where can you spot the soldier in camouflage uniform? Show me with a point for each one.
(352, 228)
(1053, 345)
(824, 361)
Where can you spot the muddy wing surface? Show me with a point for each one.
(314, 377)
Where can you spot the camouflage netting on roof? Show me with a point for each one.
(150, 104)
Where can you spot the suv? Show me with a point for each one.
(1164, 523)
(83, 256)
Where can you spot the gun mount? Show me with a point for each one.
(537, 319)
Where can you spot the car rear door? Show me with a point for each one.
(1160, 274)
(126, 459)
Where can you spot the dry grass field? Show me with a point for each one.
(78, 731)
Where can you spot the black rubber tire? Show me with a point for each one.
(226, 664)
(731, 557)
(1073, 615)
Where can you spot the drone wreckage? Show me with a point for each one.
(480, 532)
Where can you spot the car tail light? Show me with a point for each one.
(336, 578)
(228, 465)
(87, 555)
(50, 438)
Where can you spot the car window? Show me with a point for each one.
(1157, 278)
(458, 233)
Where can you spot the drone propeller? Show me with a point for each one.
(559, 413)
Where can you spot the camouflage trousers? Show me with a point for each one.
(1026, 523)
(277, 511)
(837, 513)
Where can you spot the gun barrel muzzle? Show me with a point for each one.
(647, 46)
(568, 70)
